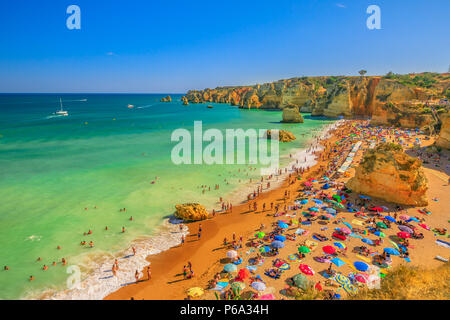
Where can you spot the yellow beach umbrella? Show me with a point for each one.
(195, 292)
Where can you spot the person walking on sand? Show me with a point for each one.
(149, 273)
(136, 275)
(134, 251)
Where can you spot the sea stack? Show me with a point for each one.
(191, 212)
(184, 100)
(388, 173)
(166, 99)
(283, 135)
(291, 114)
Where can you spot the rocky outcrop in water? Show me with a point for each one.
(191, 212)
(392, 100)
(291, 114)
(283, 135)
(184, 100)
(388, 173)
(166, 99)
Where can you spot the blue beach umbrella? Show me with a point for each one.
(326, 186)
(330, 210)
(258, 285)
(283, 225)
(361, 266)
(392, 251)
(313, 209)
(348, 225)
(389, 218)
(339, 245)
(264, 249)
(280, 238)
(304, 201)
(364, 197)
(368, 241)
(230, 267)
(277, 244)
(326, 178)
(317, 201)
(413, 219)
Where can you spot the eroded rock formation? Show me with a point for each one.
(444, 136)
(388, 173)
(191, 212)
(166, 99)
(291, 114)
(283, 135)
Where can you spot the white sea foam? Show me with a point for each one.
(97, 278)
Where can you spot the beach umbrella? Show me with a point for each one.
(280, 238)
(243, 274)
(327, 216)
(304, 201)
(317, 201)
(382, 225)
(238, 285)
(326, 178)
(364, 197)
(404, 217)
(264, 249)
(347, 224)
(301, 281)
(259, 286)
(424, 226)
(338, 199)
(329, 249)
(405, 229)
(283, 225)
(314, 209)
(361, 278)
(230, 267)
(389, 218)
(330, 210)
(340, 245)
(269, 296)
(326, 186)
(392, 251)
(232, 254)
(314, 181)
(350, 289)
(379, 209)
(306, 269)
(277, 244)
(368, 241)
(338, 262)
(195, 292)
(341, 279)
(361, 266)
(260, 235)
(304, 249)
(413, 219)
(403, 235)
(308, 184)
(346, 230)
(379, 234)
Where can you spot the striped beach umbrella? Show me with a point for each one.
(341, 279)
(238, 285)
(350, 289)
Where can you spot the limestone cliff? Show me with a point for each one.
(444, 136)
(388, 173)
(394, 100)
(191, 212)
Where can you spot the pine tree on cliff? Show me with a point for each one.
(362, 72)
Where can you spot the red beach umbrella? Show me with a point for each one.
(306, 269)
(403, 235)
(243, 274)
(329, 249)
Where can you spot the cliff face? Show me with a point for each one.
(388, 173)
(444, 136)
(291, 114)
(382, 98)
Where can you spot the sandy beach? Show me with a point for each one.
(208, 255)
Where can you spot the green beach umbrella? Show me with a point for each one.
(382, 225)
(260, 235)
(304, 249)
(301, 281)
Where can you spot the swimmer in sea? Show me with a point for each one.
(123, 229)
(6, 268)
(44, 267)
(31, 278)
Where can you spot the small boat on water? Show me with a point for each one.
(130, 106)
(210, 106)
(61, 112)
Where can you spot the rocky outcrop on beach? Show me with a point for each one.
(388, 173)
(166, 99)
(444, 136)
(283, 135)
(184, 100)
(291, 114)
(191, 212)
(393, 100)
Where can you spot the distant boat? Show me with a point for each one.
(61, 112)
(210, 106)
(130, 106)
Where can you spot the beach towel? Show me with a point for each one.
(358, 222)
(338, 262)
(441, 259)
(355, 235)
(251, 268)
(299, 231)
(363, 258)
(442, 243)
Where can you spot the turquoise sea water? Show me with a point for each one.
(105, 155)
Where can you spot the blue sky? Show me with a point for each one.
(172, 46)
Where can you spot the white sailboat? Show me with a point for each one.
(61, 112)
